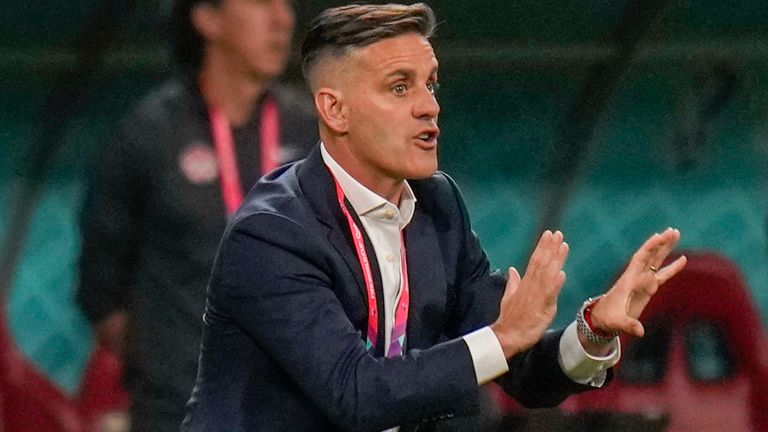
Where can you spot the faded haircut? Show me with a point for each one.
(338, 31)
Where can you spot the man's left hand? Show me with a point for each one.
(619, 309)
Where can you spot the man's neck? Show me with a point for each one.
(389, 188)
(229, 89)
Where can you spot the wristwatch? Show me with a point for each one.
(584, 324)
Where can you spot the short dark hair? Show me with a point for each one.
(337, 31)
(188, 43)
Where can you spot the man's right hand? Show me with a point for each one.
(110, 331)
(529, 304)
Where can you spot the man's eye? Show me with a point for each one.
(399, 89)
(433, 87)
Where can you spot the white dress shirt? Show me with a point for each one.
(384, 221)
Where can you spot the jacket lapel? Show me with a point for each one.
(426, 276)
(317, 183)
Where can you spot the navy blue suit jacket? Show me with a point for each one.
(286, 315)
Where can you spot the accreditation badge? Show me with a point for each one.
(198, 164)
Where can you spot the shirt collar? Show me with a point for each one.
(364, 200)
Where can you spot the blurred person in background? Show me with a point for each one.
(179, 167)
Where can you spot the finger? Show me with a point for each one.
(562, 253)
(671, 238)
(545, 252)
(641, 296)
(557, 279)
(630, 326)
(551, 248)
(514, 277)
(643, 254)
(635, 327)
(643, 257)
(537, 256)
(559, 282)
(558, 260)
(671, 269)
(513, 283)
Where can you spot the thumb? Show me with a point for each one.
(633, 326)
(512, 283)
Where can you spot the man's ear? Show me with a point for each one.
(331, 109)
(205, 18)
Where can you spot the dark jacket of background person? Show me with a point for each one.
(150, 233)
(282, 343)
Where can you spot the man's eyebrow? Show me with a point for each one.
(405, 73)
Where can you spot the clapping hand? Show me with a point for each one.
(529, 303)
(619, 309)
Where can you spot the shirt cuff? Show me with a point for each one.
(487, 355)
(579, 365)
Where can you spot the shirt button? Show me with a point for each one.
(390, 258)
(389, 214)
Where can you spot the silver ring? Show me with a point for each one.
(654, 269)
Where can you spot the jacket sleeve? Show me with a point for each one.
(276, 282)
(535, 378)
(111, 225)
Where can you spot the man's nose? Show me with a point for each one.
(426, 106)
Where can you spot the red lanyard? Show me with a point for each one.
(397, 340)
(231, 186)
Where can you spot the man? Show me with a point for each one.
(349, 291)
(181, 164)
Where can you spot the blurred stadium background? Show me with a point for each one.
(609, 120)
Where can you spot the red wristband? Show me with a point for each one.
(588, 320)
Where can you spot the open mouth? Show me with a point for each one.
(428, 138)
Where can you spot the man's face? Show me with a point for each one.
(392, 110)
(256, 34)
